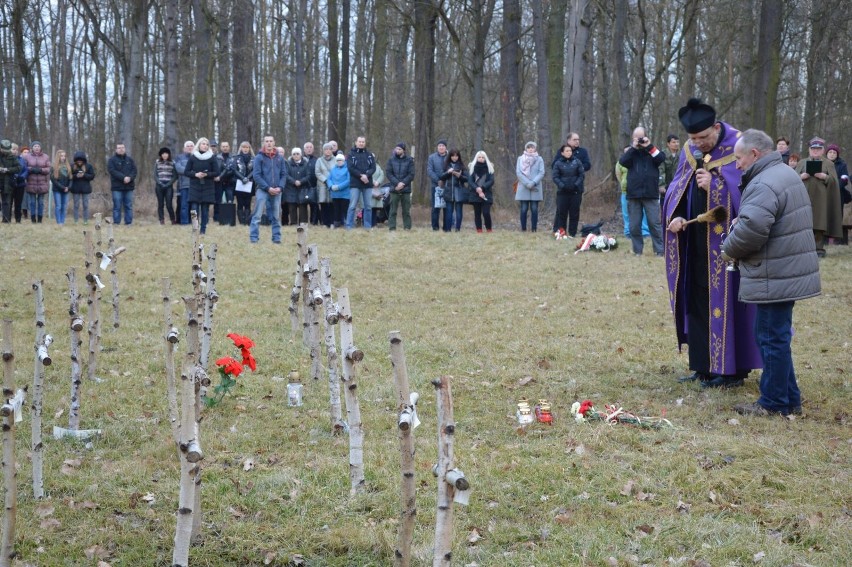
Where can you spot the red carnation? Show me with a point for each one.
(585, 406)
(230, 366)
(248, 360)
(241, 342)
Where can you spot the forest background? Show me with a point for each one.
(483, 74)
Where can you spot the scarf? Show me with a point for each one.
(206, 155)
(527, 161)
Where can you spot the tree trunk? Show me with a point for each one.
(575, 91)
(244, 62)
(343, 97)
(203, 69)
(555, 47)
(510, 93)
(334, 73)
(25, 67)
(545, 142)
(767, 75)
(376, 125)
(170, 62)
(425, 22)
(298, 11)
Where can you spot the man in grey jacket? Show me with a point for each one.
(772, 240)
(183, 181)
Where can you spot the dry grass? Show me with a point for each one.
(489, 310)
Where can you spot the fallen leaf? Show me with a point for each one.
(544, 364)
(134, 500)
(733, 421)
(236, 512)
(644, 496)
(268, 557)
(712, 497)
(563, 518)
(248, 464)
(45, 509)
(525, 380)
(297, 560)
(59, 413)
(96, 552)
(474, 536)
(758, 557)
(645, 528)
(682, 506)
(50, 523)
(103, 564)
(149, 498)
(628, 488)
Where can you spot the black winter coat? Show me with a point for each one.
(81, 175)
(643, 172)
(300, 172)
(568, 175)
(400, 169)
(202, 190)
(486, 181)
(120, 167)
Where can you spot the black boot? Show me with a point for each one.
(39, 218)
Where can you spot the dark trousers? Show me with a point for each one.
(17, 200)
(773, 333)
(482, 211)
(244, 207)
(567, 208)
(341, 206)
(164, 198)
(297, 213)
(326, 214)
(6, 200)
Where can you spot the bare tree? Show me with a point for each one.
(425, 23)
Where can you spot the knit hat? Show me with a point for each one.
(816, 142)
(213, 142)
(834, 147)
(6, 145)
(696, 116)
(165, 150)
(35, 143)
(442, 141)
(401, 145)
(340, 157)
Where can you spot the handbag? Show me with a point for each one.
(307, 195)
(439, 203)
(378, 193)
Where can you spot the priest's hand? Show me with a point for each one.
(703, 177)
(677, 224)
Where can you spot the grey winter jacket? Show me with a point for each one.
(773, 236)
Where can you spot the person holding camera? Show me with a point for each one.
(642, 160)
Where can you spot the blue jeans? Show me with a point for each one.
(122, 200)
(531, 206)
(78, 199)
(436, 213)
(266, 203)
(458, 211)
(60, 205)
(203, 212)
(35, 205)
(773, 324)
(184, 205)
(647, 210)
(364, 193)
(626, 218)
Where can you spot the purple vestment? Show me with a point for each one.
(732, 348)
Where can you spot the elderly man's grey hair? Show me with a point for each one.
(756, 139)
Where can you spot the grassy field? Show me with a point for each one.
(508, 315)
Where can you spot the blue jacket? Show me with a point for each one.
(269, 172)
(338, 177)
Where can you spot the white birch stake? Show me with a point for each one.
(10, 484)
(112, 261)
(38, 383)
(210, 299)
(449, 478)
(304, 271)
(171, 336)
(76, 325)
(189, 445)
(351, 355)
(295, 296)
(405, 406)
(312, 311)
(94, 306)
(329, 322)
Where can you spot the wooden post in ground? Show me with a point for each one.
(210, 299)
(93, 303)
(188, 442)
(111, 260)
(171, 336)
(450, 479)
(329, 324)
(76, 325)
(351, 355)
(305, 271)
(312, 311)
(10, 410)
(406, 422)
(42, 359)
